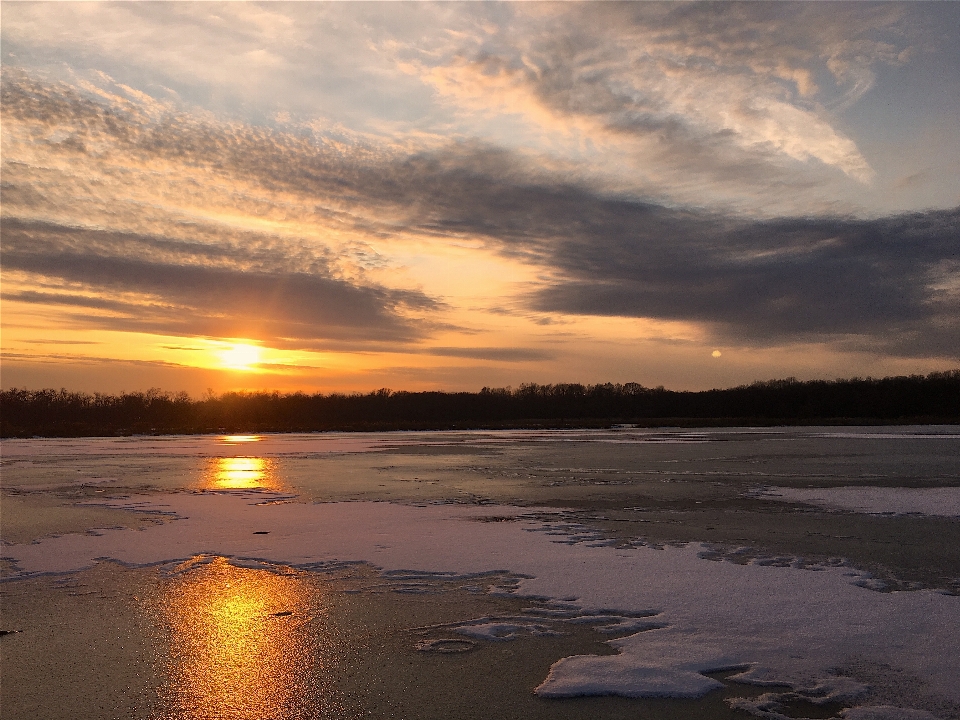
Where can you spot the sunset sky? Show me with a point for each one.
(341, 197)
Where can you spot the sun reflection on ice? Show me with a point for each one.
(237, 645)
(246, 472)
(240, 473)
(235, 439)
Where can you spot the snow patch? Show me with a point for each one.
(785, 625)
(944, 501)
(622, 675)
(885, 712)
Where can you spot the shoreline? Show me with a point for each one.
(689, 423)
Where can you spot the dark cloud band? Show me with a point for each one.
(889, 284)
(146, 293)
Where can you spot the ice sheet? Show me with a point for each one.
(782, 625)
(278, 444)
(885, 712)
(943, 501)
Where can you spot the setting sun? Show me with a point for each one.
(240, 356)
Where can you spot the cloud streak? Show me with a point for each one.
(887, 284)
(121, 274)
(678, 89)
(695, 102)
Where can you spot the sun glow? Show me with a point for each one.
(241, 473)
(234, 439)
(236, 649)
(240, 356)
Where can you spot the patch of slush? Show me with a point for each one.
(783, 626)
(942, 501)
(497, 631)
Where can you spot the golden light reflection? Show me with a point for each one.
(241, 473)
(238, 647)
(234, 439)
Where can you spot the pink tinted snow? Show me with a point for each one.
(783, 624)
(942, 501)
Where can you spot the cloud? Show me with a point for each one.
(143, 289)
(744, 84)
(888, 284)
(55, 341)
(883, 284)
(500, 354)
(59, 358)
(706, 103)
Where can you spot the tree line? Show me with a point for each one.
(934, 398)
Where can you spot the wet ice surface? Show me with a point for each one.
(782, 626)
(943, 502)
(543, 499)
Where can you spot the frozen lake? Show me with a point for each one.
(773, 572)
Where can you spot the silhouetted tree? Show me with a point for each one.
(60, 413)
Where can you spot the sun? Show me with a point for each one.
(240, 356)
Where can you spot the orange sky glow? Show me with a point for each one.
(342, 197)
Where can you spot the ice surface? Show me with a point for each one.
(503, 630)
(277, 444)
(200, 445)
(942, 501)
(782, 625)
(885, 712)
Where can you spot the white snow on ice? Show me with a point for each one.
(942, 501)
(885, 712)
(784, 625)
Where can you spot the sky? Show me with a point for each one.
(340, 197)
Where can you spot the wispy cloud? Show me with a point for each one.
(451, 185)
(500, 354)
(883, 283)
(705, 103)
(675, 90)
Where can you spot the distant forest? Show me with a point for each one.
(933, 398)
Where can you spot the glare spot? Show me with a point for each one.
(716, 353)
(232, 439)
(233, 651)
(240, 356)
(240, 473)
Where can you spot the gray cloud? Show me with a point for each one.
(731, 93)
(501, 354)
(872, 282)
(58, 358)
(888, 284)
(177, 294)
